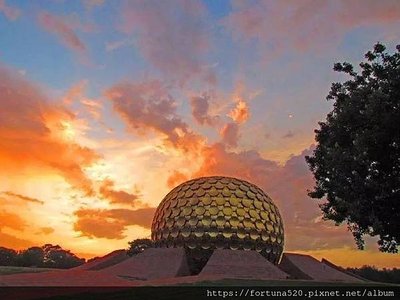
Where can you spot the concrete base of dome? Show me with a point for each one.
(241, 264)
(106, 261)
(168, 266)
(300, 266)
(153, 263)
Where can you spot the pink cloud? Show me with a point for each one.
(63, 30)
(303, 25)
(175, 49)
(230, 134)
(75, 93)
(148, 106)
(93, 107)
(10, 12)
(287, 185)
(91, 4)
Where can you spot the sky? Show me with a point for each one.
(107, 105)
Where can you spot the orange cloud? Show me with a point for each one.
(32, 134)
(116, 197)
(176, 178)
(10, 12)
(353, 258)
(157, 26)
(97, 226)
(111, 223)
(240, 113)
(12, 221)
(46, 230)
(63, 30)
(13, 242)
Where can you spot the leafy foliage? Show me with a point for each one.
(31, 257)
(57, 257)
(356, 164)
(7, 256)
(138, 246)
(373, 274)
(48, 256)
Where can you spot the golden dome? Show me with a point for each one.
(219, 213)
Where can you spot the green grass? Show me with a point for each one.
(8, 270)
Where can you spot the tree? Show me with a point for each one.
(57, 257)
(32, 257)
(356, 163)
(372, 273)
(139, 245)
(7, 256)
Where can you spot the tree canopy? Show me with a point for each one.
(49, 256)
(138, 246)
(356, 163)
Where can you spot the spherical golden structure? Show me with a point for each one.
(219, 213)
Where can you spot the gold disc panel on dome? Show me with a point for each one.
(219, 213)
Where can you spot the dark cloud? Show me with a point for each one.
(288, 135)
(200, 110)
(22, 197)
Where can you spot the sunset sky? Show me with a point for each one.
(107, 105)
